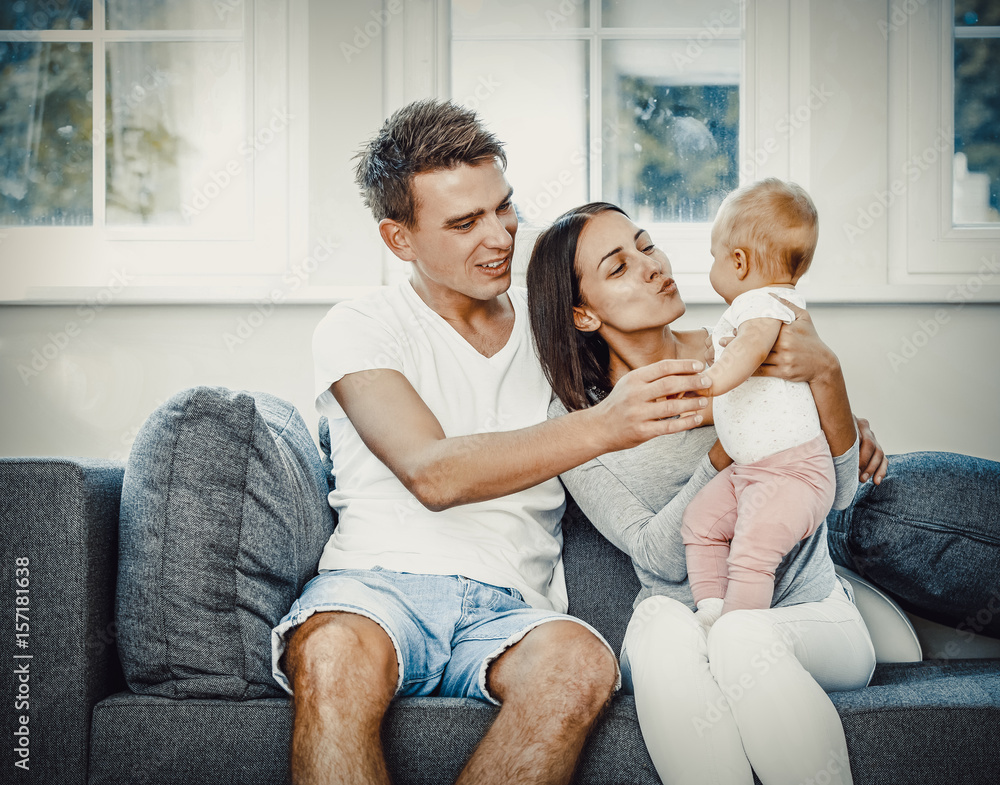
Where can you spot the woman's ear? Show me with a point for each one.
(395, 236)
(584, 320)
(741, 263)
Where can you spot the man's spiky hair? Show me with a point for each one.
(421, 137)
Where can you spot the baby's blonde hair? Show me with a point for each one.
(774, 222)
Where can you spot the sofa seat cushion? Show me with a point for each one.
(916, 723)
(426, 740)
(223, 519)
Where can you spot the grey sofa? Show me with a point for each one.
(920, 722)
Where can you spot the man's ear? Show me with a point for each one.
(395, 236)
(741, 263)
(584, 320)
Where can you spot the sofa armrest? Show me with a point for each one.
(59, 545)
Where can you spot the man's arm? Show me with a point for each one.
(402, 432)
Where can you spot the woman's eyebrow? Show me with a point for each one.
(609, 254)
(618, 250)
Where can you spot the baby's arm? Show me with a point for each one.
(744, 354)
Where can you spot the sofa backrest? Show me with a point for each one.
(600, 579)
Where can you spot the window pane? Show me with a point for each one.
(546, 139)
(670, 13)
(175, 14)
(46, 132)
(177, 147)
(46, 15)
(675, 152)
(977, 130)
(979, 13)
(499, 17)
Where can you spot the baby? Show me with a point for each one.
(781, 484)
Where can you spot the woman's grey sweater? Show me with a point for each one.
(636, 497)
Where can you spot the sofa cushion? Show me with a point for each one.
(928, 536)
(223, 519)
(916, 723)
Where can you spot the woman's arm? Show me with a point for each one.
(799, 355)
(652, 539)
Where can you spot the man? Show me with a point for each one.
(444, 572)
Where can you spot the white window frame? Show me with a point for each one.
(774, 33)
(930, 258)
(103, 264)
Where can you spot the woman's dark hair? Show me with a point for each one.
(576, 363)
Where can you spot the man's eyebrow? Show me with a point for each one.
(618, 250)
(461, 219)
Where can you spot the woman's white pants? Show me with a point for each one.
(751, 693)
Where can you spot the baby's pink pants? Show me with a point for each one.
(738, 528)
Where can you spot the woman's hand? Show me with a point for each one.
(873, 461)
(798, 354)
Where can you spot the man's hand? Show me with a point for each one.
(873, 461)
(652, 401)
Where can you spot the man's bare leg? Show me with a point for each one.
(343, 670)
(554, 684)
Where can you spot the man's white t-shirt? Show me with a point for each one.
(513, 541)
(764, 415)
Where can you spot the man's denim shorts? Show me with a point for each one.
(446, 629)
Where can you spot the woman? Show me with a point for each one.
(752, 691)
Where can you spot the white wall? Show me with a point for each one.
(91, 398)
